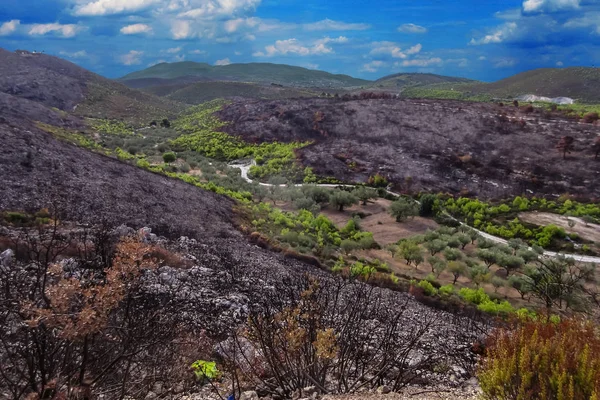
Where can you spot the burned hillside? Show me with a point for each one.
(485, 149)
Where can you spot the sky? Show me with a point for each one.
(478, 39)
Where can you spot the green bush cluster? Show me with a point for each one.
(199, 127)
(112, 127)
(485, 216)
(306, 232)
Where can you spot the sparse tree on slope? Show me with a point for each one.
(341, 199)
(403, 208)
(364, 194)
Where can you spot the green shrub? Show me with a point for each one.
(169, 157)
(428, 288)
(504, 308)
(475, 296)
(447, 290)
(205, 370)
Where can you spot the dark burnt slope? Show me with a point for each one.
(38, 171)
(58, 83)
(428, 145)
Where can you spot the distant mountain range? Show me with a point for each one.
(192, 83)
(254, 72)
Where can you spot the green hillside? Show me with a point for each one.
(579, 83)
(201, 92)
(253, 72)
(404, 80)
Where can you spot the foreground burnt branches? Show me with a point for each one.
(337, 336)
(73, 326)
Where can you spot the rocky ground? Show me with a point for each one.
(432, 145)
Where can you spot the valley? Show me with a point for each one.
(218, 232)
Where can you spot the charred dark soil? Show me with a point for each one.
(430, 145)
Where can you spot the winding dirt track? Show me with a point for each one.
(245, 167)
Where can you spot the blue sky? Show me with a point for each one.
(479, 39)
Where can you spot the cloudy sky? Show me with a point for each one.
(480, 39)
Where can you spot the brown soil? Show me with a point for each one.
(589, 232)
(384, 227)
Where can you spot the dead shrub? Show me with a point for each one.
(591, 117)
(338, 336)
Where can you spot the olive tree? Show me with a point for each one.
(403, 208)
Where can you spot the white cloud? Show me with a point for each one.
(256, 24)
(505, 62)
(179, 58)
(174, 50)
(181, 29)
(294, 46)
(77, 54)
(424, 62)
(330, 25)
(392, 49)
(373, 66)
(311, 66)
(225, 61)
(197, 52)
(499, 35)
(559, 64)
(482, 58)
(109, 7)
(460, 62)
(134, 57)
(9, 27)
(412, 28)
(66, 31)
(136, 29)
(209, 9)
(237, 53)
(537, 6)
(590, 19)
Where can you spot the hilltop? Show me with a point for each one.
(57, 83)
(406, 80)
(252, 72)
(199, 92)
(579, 83)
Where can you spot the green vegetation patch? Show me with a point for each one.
(72, 137)
(112, 127)
(200, 134)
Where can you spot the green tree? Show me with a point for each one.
(169, 157)
(340, 199)
(427, 206)
(411, 252)
(456, 268)
(489, 257)
(438, 265)
(464, 239)
(479, 274)
(520, 284)
(403, 208)
(364, 194)
(435, 246)
(453, 254)
(510, 263)
(498, 283)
